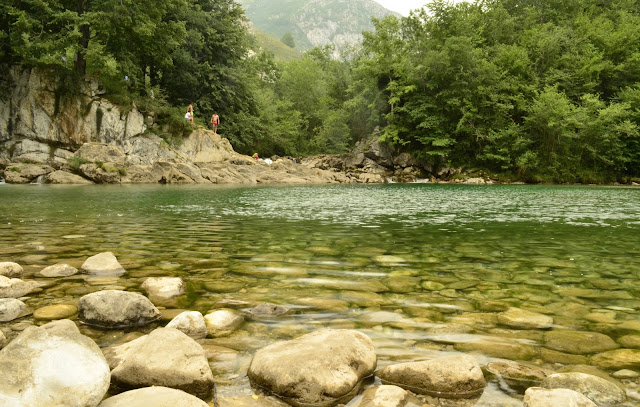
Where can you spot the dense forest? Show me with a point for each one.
(535, 90)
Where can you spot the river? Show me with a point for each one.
(422, 269)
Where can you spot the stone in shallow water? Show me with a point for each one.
(59, 270)
(112, 309)
(539, 397)
(452, 377)
(11, 309)
(57, 311)
(325, 304)
(222, 322)
(504, 348)
(578, 342)
(191, 323)
(384, 396)
(518, 376)
(324, 367)
(103, 264)
(597, 389)
(267, 310)
(165, 357)
(520, 318)
(630, 341)
(16, 288)
(250, 401)
(10, 269)
(52, 365)
(552, 356)
(163, 287)
(155, 396)
(617, 359)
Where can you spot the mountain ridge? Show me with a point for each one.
(315, 23)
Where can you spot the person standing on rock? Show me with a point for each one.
(189, 115)
(215, 121)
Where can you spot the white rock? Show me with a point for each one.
(53, 365)
(222, 322)
(11, 309)
(155, 396)
(16, 288)
(596, 389)
(384, 396)
(11, 270)
(59, 270)
(191, 323)
(539, 397)
(103, 264)
(163, 287)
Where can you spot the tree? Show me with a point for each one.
(287, 39)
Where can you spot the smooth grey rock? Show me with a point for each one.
(539, 397)
(116, 354)
(59, 270)
(53, 365)
(166, 357)
(103, 264)
(322, 368)
(578, 342)
(597, 389)
(16, 288)
(155, 396)
(523, 319)
(222, 322)
(452, 377)
(191, 323)
(11, 309)
(163, 287)
(112, 309)
(384, 396)
(267, 310)
(10, 269)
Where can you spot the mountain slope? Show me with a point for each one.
(315, 22)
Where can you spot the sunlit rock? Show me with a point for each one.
(103, 264)
(191, 323)
(10, 269)
(518, 376)
(384, 396)
(578, 342)
(16, 288)
(539, 397)
(618, 359)
(156, 396)
(53, 312)
(597, 389)
(113, 309)
(11, 309)
(222, 322)
(59, 270)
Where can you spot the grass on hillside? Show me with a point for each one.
(271, 44)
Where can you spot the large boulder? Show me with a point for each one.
(539, 397)
(103, 264)
(113, 309)
(322, 368)
(191, 323)
(98, 152)
(52, 365)
(19, 173)
(156, 396)
(453, 377)
(166, 357)
(63, 177)
(10, 269)
(601, 391)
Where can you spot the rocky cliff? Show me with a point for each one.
(87, 139)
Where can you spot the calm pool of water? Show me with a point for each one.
(421, 269)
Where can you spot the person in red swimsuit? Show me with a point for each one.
(215, 121)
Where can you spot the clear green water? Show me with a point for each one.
(402, 263)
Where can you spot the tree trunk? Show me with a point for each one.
(80, 61)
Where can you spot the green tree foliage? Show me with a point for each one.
(543, 90)
(288, 40)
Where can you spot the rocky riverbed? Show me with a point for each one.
(85, 336)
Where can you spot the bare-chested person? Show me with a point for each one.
(215, 121)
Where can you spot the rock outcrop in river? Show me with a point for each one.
(49, 138)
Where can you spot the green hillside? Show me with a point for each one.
(281, 51)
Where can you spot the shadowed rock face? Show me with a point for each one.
(323, 368)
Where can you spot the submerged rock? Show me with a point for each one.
(166, 357)
(539, 397)
(53, 365)
(103, 264)
(523, 319)
(53, 312)
(322, 368)
(618, 359)
(578, 342)
(10, 269)
(112, 309)
(597, 389)
(156, 396)
(518, 376)
(452, 377)
(267, 310)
